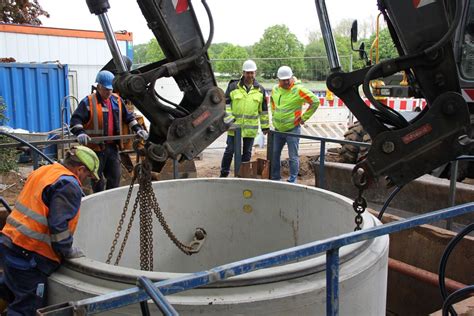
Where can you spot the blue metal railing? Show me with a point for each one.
(322, 150)
(331, 246)
(322, 160)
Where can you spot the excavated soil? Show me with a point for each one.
(11, 183)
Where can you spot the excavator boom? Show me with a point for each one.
(178, 131)
(404, 150)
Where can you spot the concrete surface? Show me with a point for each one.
(243, 218)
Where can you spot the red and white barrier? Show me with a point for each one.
(398, 104)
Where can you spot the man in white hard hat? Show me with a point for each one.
(287, 101)
(246, 102)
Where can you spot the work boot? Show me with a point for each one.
(224, 175)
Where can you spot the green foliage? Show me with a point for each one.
(8, 157)
(279, 42)
(316, 62)
(21, 12)
(139, 53)
(216, 49)
(387, 48)
(153, 52)
(235, 56)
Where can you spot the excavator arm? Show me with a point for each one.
(178, 131)
(404, 150)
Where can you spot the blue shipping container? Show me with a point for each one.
(33, 94)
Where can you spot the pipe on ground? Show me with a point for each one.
(422, 275)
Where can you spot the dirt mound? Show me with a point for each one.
(306, 166)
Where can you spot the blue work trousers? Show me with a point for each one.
(109, 169)
(229, 153)
(292, 142)
(22, 285)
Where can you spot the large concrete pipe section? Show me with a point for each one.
(243, 218)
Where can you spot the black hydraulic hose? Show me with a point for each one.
(393, 116)
(455, 297)
(387, 202)
(209, 39)
(184, 111)
(24, 142)
(442, 266)
(5, 204)
(449, 33)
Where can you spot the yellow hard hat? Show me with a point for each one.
(88, 157)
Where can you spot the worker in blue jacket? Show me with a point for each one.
(91, 119)
(38, 234)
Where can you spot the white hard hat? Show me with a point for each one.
(284, 72)
(249, 65)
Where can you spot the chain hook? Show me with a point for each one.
(360, 180)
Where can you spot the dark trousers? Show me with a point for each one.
(229, 153)
(109, 168)
(22, 284)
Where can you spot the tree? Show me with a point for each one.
(153, 52)
(21, 12)
(278, 42)
(235, 56)
(317, 66)
(387, 48)
(216, 49)
(343, 28)
(139, 53)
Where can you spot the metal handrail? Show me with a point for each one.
(322, 160)
(95, 140)
(159, 299)
(331, 246)
(322, 150)
(63, 110)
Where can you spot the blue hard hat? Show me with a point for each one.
(105, 78)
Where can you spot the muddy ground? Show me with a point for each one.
(208, 165)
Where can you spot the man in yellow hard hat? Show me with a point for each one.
(38, 233)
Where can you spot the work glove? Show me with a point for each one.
(74, 252)
(83, 139)
(143, 134)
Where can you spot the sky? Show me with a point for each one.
(241, 22)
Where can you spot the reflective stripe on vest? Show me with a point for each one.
(27, 225)
(28, 232)
(95, 125)
(246, 109)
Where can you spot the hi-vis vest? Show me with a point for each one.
(287, 106)
(27, 225)
(95, 126)
(246, 108)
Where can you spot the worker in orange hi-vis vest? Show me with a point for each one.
(102, 114)
(287, 102)
(38, 234)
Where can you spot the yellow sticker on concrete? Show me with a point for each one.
(247, 194)
(247, 208)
